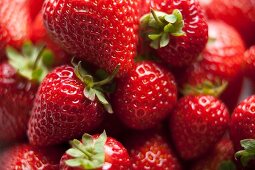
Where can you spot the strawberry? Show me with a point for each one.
(67, 104)
(239, 14)
(150, 150)
(35, 7)
(95, 152)
(197, 124)
(100, 32)
(221, 156)
(146, 96)
(19, 80)
(25, 156)
(249, 62)
(177, 30)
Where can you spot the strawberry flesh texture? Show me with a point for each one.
(146, 96)
(61, 111)
(197, 124)
(16, 96)
(116, 157)
(100, 32)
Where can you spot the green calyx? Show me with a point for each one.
(158, 26)
(94, 89)
(88, 153)
(227, 165)
(248, 153)
(207, 87)
(32, 62)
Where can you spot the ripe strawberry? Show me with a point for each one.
(197, 124)
(239, 14)
(221, 156)
(249, 62)
(176, 29)
(25, 156)
(150, 150)
(100, 32)
(14, 23)
(95, 152)
(67, 104)
(146, 96)
(35, 7)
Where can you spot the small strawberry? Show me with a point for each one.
(67, 103)
(176, 29)
(27, 157)
(146, 96)
(100, 32)
(220, 158)
(249, 62)
(150, 150)
(95, 152)
(197, 124)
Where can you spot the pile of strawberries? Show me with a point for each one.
(127, 84)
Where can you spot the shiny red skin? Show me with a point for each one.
(116, 157)
(25, 156)
(16, 97)
(14, 23)
(61, 111)
(151, 151)
(239, 14)
(197, 124)
(249, 62)
(146, 96)
(223, 151)
(104, 33)
(183, 50)
(242, 121)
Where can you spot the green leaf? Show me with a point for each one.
(36, 74)
(179, 33)
(164, 41)
(227, 165)
(100, 142)
(74, 152)
(103, 100)
(48, 57)
(155, 44)
(89, 93)
(73, 162)
(170, 18)
(169, 28)
(177, 13)
(154, 36)
(248, 153)
(27, 49)
(87, 140)
(248, 144)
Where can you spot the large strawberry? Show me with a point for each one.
(67, 104)
(101, 32)
(150, 150)
(95, 152)
(27, 157)
(239, 14)
(176, 29)
(146, 96)
(197, 124)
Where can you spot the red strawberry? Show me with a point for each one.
(25, 156)
(35, 7)
(150, 150)
(66, 106)
(239, 14)
(220, 157)
(197, 124)
(100, 32)
(14, 23)
(146, 96)
(249, 62)
(95, 152)
(176, 29)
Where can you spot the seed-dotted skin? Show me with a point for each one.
(197, 124)
(183, 50)
(16, 97)
(61, 112)
(146, 96)
(103, 32)
(242, 124)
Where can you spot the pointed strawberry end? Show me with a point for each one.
(248, 153)
(159, 26)
(206, 87)
(32, 62)
(88, 153)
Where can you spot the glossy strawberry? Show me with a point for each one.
(176, 29)
(239, 14)
(249, 62)
(146, 96)
(150, 150)
(197, 124)
(219, 158)
(100, 32)
(25, 156)
(96, 152)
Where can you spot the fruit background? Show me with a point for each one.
(127, 84)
